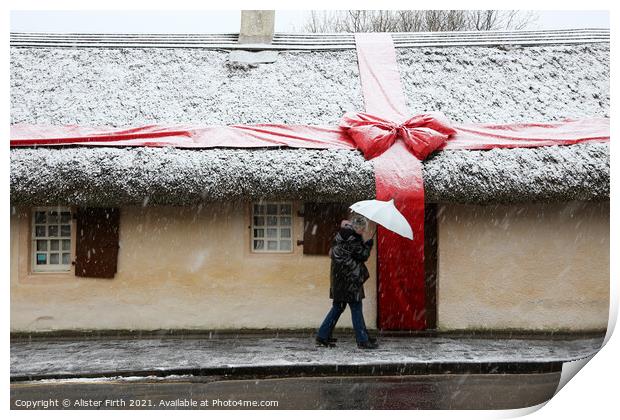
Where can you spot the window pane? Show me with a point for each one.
(272, 220)
(272, 245)
(39, 217)
(39, 230)
(52, 230)
(52, 217)
(259, 209)
(285, 209)
(285, 221)
(285, 232)
(272, 233)
(54, 244)
(66, 258)
(42, 245)
(66, 245)
(259, 221)
(259, 233)
(65, 217)
(259, 244)
(41, 259)
(65, 230)
(272, 209)
(54, 258)
(285, 245)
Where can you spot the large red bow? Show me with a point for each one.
(373, 135)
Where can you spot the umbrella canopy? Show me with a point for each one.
(385, 214)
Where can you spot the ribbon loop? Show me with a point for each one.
(373, 135)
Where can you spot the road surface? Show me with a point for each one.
(447, 391)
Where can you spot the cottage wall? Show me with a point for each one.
(535, 266)
(180, 267)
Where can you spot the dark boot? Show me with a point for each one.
(367, 345)
(371, 339)
(325, 343)
(332, 340)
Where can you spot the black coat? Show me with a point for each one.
(348, 253)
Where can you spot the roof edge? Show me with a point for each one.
(307, 41)
(169, 176)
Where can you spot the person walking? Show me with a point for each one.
(350, 250)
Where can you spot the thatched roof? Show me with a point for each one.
(84, 175)
(129, 84)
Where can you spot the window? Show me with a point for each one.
(51, 239)
(272, 227)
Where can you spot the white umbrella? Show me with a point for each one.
(385, 214)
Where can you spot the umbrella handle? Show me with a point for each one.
(374, 233)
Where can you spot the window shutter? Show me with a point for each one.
(321, 223)
(96, 248)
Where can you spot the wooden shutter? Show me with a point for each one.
(321, 222)
(96, 248)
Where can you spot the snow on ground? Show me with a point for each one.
(149, 378)
(39, 357)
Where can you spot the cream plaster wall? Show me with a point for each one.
(536, 266)
(180, 267)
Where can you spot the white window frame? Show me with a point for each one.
(50, 268)
(278, 238)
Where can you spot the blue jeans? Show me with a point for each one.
(326, 328)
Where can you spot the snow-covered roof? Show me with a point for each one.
(139, 175)
(471, 77)
(125, 86)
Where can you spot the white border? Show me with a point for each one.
(592, 395)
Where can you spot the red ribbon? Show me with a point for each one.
(398, 176)
(422, 134)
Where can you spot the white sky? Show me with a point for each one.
(225, 21)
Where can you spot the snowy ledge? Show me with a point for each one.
(168, 176)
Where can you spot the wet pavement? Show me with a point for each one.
(286, 356)
(490, 391)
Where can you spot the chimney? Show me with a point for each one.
(256, 26)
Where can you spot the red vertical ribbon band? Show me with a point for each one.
(380, 79)
(401, 297)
